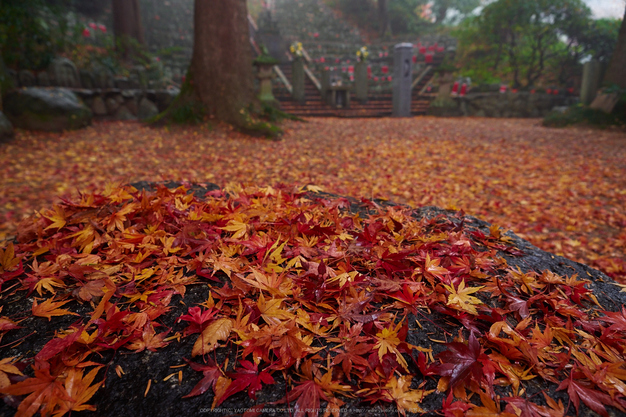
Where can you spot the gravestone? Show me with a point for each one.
(27, 78)
(63, 73)
(123, 83)
(43, 79)
(591, 82)
(103, 78)
(402, 79)
(360, 81)
(297, 79)
(86, 80)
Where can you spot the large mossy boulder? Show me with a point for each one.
(48, 109)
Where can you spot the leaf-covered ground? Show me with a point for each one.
(563, 190)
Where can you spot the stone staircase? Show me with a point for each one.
(331, 43)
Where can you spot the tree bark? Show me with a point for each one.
(127, 24)
(383, 16)
(220, 80)
(221, 65)
(616, 72)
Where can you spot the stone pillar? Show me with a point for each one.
(360, 81)
(297, 79)
(402, 79)
(265, 74)
(591, 82)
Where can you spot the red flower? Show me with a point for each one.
(102, 28)
(385, 69)
(389, 78)
(93, 25)
(86, 33)
(414, 59)
(322, 59)
(316, 35)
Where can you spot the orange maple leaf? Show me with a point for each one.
(45, 393)
(50, 308)
(214, 332)
(7, 367)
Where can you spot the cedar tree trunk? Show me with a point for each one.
(127, 24)
(221, 75)
(616, 73)
(383, 16)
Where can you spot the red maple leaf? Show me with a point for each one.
(463, 362)
(246, 377)
(210, 372)
(591, 398)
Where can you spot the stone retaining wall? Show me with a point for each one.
(116, 104)
(511, 104)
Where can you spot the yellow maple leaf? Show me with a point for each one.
(398, 390)
(57, 217)
(238, 227)
(461, 299)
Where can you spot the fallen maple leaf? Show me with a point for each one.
(460, 297)
(398, 390)
(50, 308)
(214, 332)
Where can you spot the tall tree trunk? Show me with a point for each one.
(220, 80)
(127, 24)
(383, 16)
(615, 74)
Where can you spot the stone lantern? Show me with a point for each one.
(265, 64)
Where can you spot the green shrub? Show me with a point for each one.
(579, 114)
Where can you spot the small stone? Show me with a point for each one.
(98, 107)
(147, 109)
(123, 113)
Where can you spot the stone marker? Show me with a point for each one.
(43, 79)
(360, 81)
(605, 102)
(49, 109)
(591, 82)
(27, 78)
(63, 73)
(297, 79)
(402, 79)
(86, 79)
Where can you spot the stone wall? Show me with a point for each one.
(517, 105)
(116, 104)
